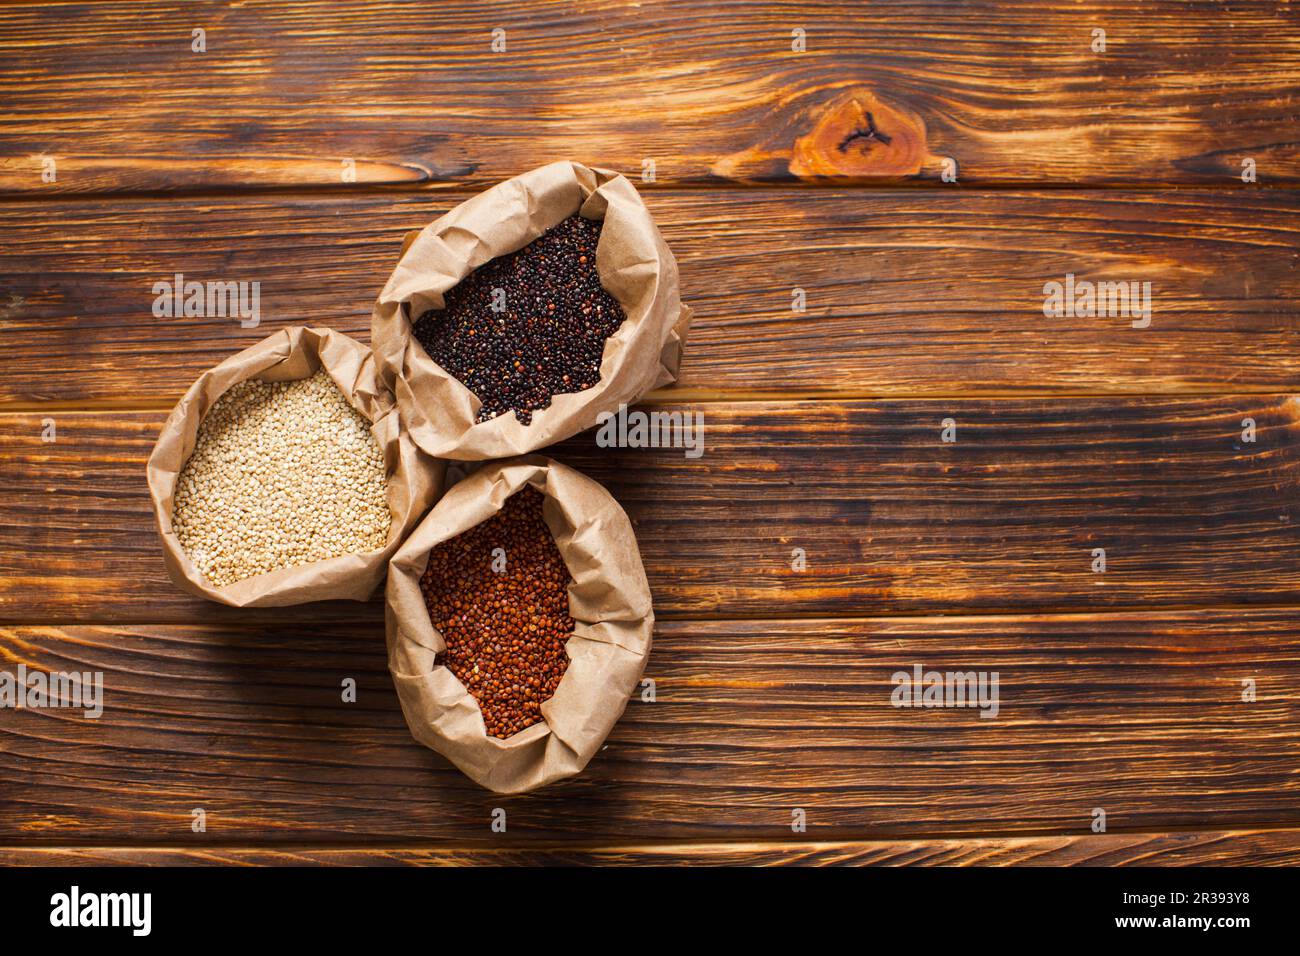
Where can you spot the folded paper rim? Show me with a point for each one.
(291, 353)
(635, 265)
(609, 600)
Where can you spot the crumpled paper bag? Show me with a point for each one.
(609, 600)
(635, 266)
(414, 479)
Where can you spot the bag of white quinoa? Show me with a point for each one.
(543, 623)
(284, 475)
(533, 346)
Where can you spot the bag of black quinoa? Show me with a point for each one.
(284, 475)
(514, 320)
(519, 621)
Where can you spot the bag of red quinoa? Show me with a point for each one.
(539, 391)
(220, 527)
(490, 629)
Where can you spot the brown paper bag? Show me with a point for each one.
(414, 479)
(635, 266)
(609, 600)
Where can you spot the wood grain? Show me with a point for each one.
(1138, 714)
(309, 137)
(891, 518)
(909, 293)
(413, 94)
(1202, 848)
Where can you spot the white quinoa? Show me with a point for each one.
(282, 474)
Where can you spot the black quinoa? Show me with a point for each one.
(548, 339)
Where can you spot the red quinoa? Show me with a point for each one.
(505, 632)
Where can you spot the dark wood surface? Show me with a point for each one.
(414, 95)
(908, 292)
(1139, 714)
(1199, 848)
(1120, 691)
(891, 518)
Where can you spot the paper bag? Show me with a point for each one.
(635, 266)
(609, 600)
(414, 479)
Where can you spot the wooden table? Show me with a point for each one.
(299, 145)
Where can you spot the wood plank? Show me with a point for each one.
(913, 293)
(891, 518)
(1200, 848)
(1138, 714)
(413, 94)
